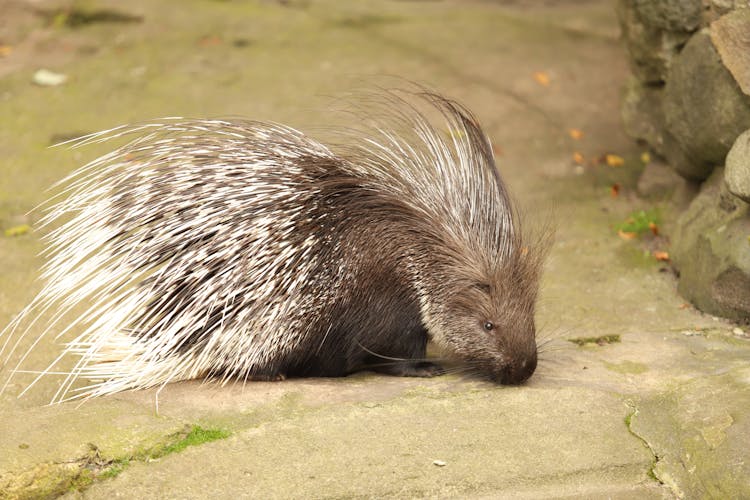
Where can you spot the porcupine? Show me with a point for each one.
(245, 250)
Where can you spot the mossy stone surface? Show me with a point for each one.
(737, 172)
(711, 251)
(693, 429)
(704, 108)
(670, 15)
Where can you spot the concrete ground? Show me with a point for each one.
(659, 407)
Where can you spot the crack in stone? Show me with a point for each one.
(655, 458)
(54, 479)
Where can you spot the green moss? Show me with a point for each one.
(196, 436)
(627, 367)
(83, 480)
(601, 340)
(99, 469)
(54, 479)
(114, 468)
(80, 14)
(651, 472)
(641, 222)
(365, 21)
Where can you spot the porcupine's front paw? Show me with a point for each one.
(413, 369)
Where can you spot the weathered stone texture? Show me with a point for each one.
(642, 114)
(737, 173)
(658, 181)
(723, 6)
(731, 37)
(651, 48)
(704, 109)
(670, 15)
(712, 252)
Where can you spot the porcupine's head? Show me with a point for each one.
(483, 312)
(474, 273)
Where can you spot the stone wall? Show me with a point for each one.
(689, 99)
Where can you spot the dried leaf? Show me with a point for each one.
(645, 158)
(542, 78)
(5, 50)
(614, 160)
(654, 228)
(209, 41)
(614, 190)
(662, 256)
(626, 235)
(575, 134)
(578, 158)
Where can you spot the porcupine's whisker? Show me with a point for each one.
(553, 343)
(381, 356)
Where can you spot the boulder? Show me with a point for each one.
(642, 116)
(651, 48)
(737, 172)
(704, 109)
(711, 250)
(724, 6)
(687, 166)
(730, 35)
(658, 181)
(670, 15)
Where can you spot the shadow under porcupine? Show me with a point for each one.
(247, 250)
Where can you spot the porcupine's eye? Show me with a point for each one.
(489, 326)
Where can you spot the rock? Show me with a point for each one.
(642, 116)
(731, 37)
(685, 165)
(704, 109)
(651, 48)
(737, 172)
(47, 78)
(658, 181)
(723, 6)
(711, 250)
(670, 15)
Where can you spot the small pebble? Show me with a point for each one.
(47, 78)
(738, 332)
(439, 463)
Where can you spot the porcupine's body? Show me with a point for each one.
(246, 250)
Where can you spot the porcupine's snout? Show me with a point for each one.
(520, 365)
(517, 371)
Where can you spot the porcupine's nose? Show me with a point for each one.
(519, 370)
